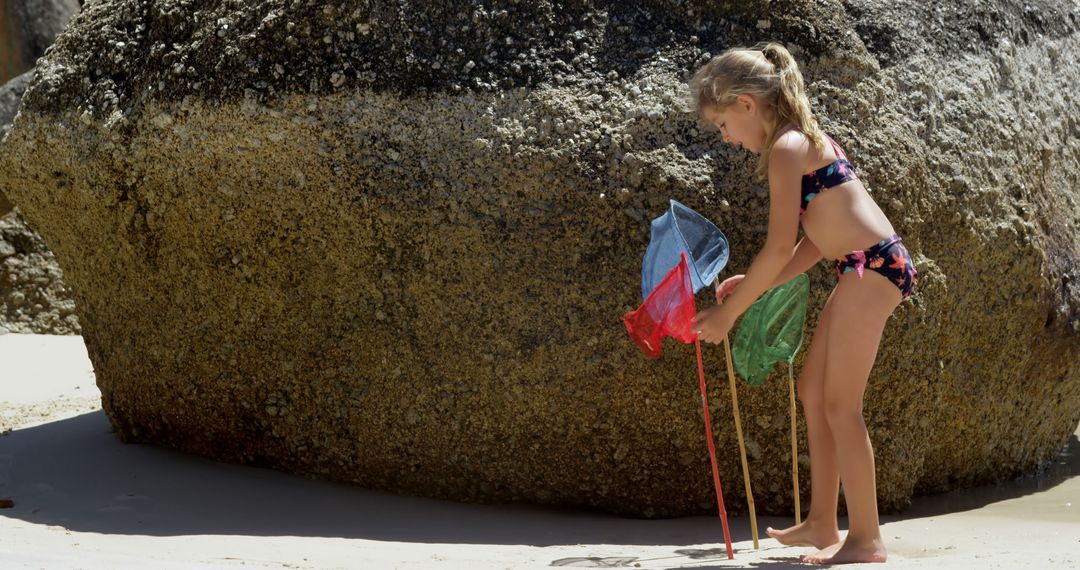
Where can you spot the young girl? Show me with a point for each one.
(756, 98)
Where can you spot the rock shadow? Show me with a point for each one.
(76, 474)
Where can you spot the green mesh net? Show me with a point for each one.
(771, 330)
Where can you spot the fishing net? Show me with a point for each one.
(685, 253)
(682, 230)
(771, 330)
(666, 312)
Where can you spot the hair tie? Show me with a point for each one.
(765, 53)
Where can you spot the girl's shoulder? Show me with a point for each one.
(793, 147)
(793, 139)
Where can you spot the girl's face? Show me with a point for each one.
(740, 123)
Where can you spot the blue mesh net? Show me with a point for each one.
(680, 230)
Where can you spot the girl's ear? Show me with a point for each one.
(746, 102)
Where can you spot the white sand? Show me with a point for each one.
(85, 500)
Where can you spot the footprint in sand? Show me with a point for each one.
(596, 562)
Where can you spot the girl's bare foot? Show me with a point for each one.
(848, 552)
(806, 534)
(822, 553)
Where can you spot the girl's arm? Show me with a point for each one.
(785, 168)
(805, 256)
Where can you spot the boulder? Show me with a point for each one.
(393, 246)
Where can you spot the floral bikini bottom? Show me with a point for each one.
(888, 257)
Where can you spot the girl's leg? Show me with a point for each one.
(820, 528)
(860, 309)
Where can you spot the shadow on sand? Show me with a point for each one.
(76, 474)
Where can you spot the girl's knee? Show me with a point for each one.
(843, 414)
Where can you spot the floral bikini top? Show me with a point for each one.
(833, 174)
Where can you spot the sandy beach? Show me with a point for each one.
(82, 499)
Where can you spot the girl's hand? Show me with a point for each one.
(714, 323)
(728, 287)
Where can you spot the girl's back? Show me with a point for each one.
(843, 218)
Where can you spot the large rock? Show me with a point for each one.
(392, 246)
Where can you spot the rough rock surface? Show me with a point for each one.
(33, 295)
(10, 94)
(27, 29)
(392, 245)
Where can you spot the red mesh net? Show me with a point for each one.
(667, 311)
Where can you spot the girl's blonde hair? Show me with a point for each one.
(767, 72)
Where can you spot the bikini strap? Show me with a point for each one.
(836, 148)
